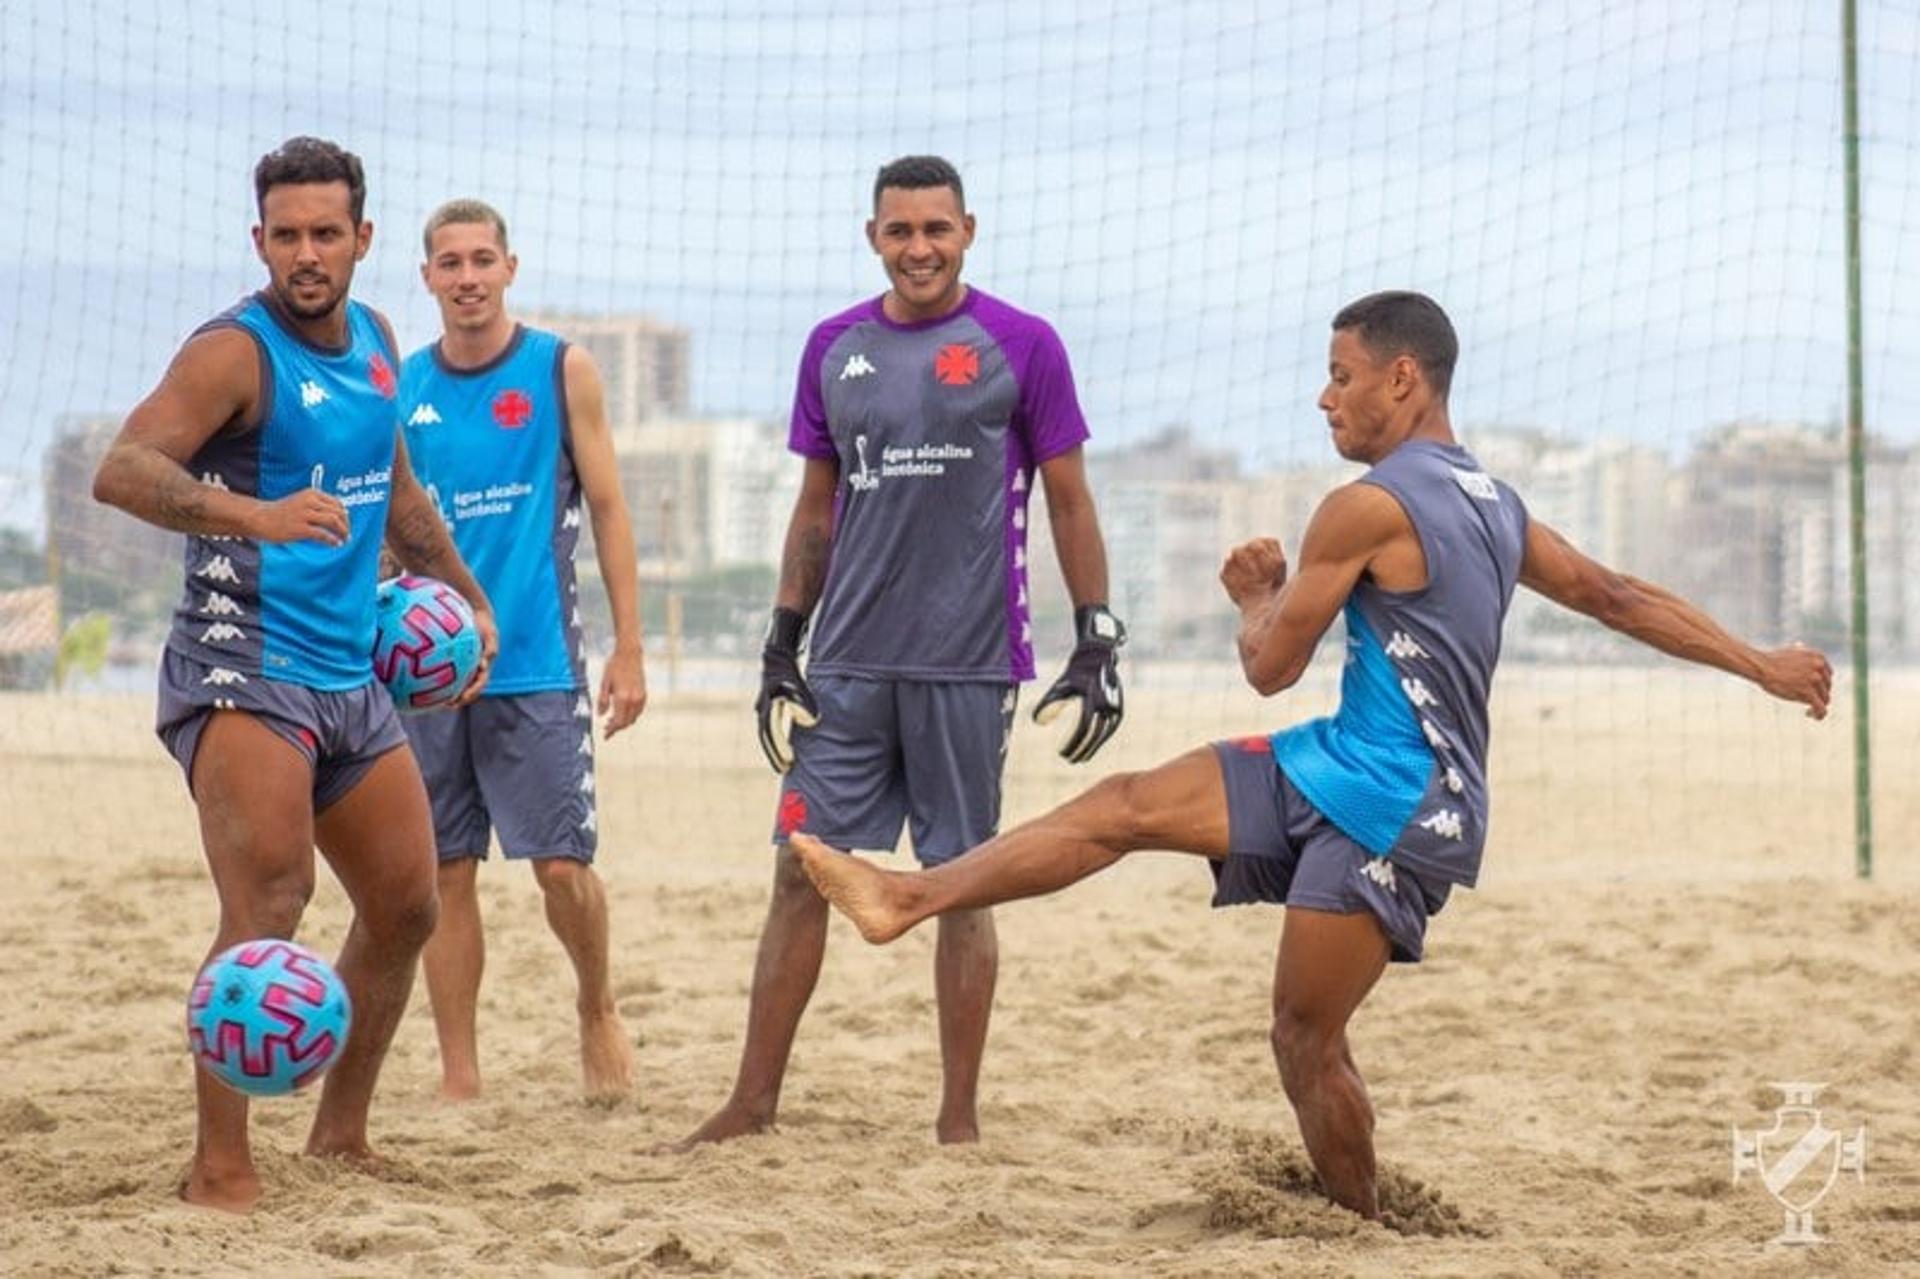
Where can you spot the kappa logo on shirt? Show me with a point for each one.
(425, 415)
(312, 395)
(857, 366)
(956, 364)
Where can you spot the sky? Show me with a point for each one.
(1633, 211)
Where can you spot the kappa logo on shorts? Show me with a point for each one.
(793, 811)
(1380, 871)
(956, 364)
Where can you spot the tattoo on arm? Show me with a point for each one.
(419, 538)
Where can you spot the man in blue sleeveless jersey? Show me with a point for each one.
(507, 428)
(922, 416)
(272, 443)
(1361, 823)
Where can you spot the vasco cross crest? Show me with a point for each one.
(1799, 1158)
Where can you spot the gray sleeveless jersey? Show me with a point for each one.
(937, 428)
(1401, 766)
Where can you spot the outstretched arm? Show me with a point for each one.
(623, 685)
(1282, 617)
(1660, 619)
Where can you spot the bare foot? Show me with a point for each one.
(725, 1124)
(857, 890)
(959, 1130)
(231, 1190)
(606, 1057)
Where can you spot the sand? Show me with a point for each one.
(1668, 922)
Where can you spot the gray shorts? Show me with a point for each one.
(340, 733)
(1283, 849)
(520, 765)
(889, 751)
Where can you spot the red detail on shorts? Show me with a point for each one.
(956, 365)
(380, 373)
(793, 811)
(1252, 745)
(307, 738)
(512, 409)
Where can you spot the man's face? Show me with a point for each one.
(922, 236)
(1363, 393)
(309, 242)
(468, 272)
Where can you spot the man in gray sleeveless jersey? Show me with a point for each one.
(1362, 823)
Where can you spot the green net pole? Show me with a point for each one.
(1856, 457)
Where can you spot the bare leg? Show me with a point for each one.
(1181, 806)
(966, 962)
(577, 913)
(256, 823)
(1327, 965)
(792, 945)
(454, 958)
(379, 840)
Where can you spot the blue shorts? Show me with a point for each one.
(1283, 849)
(887, 752)
(340, 733)
(520, 765)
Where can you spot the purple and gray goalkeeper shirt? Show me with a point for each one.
(937, 428)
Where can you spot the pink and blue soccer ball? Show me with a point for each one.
(267, 1016)
(425, 645)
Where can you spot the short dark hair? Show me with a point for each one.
(1399, 323)
(464, 211)
(918, 173)
(301, 160)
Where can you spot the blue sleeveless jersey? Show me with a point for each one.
(1401, 766)
(297, 612)
(492, 446)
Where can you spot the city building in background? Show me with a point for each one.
(1751, 522)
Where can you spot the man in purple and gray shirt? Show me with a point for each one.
(923, 416)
